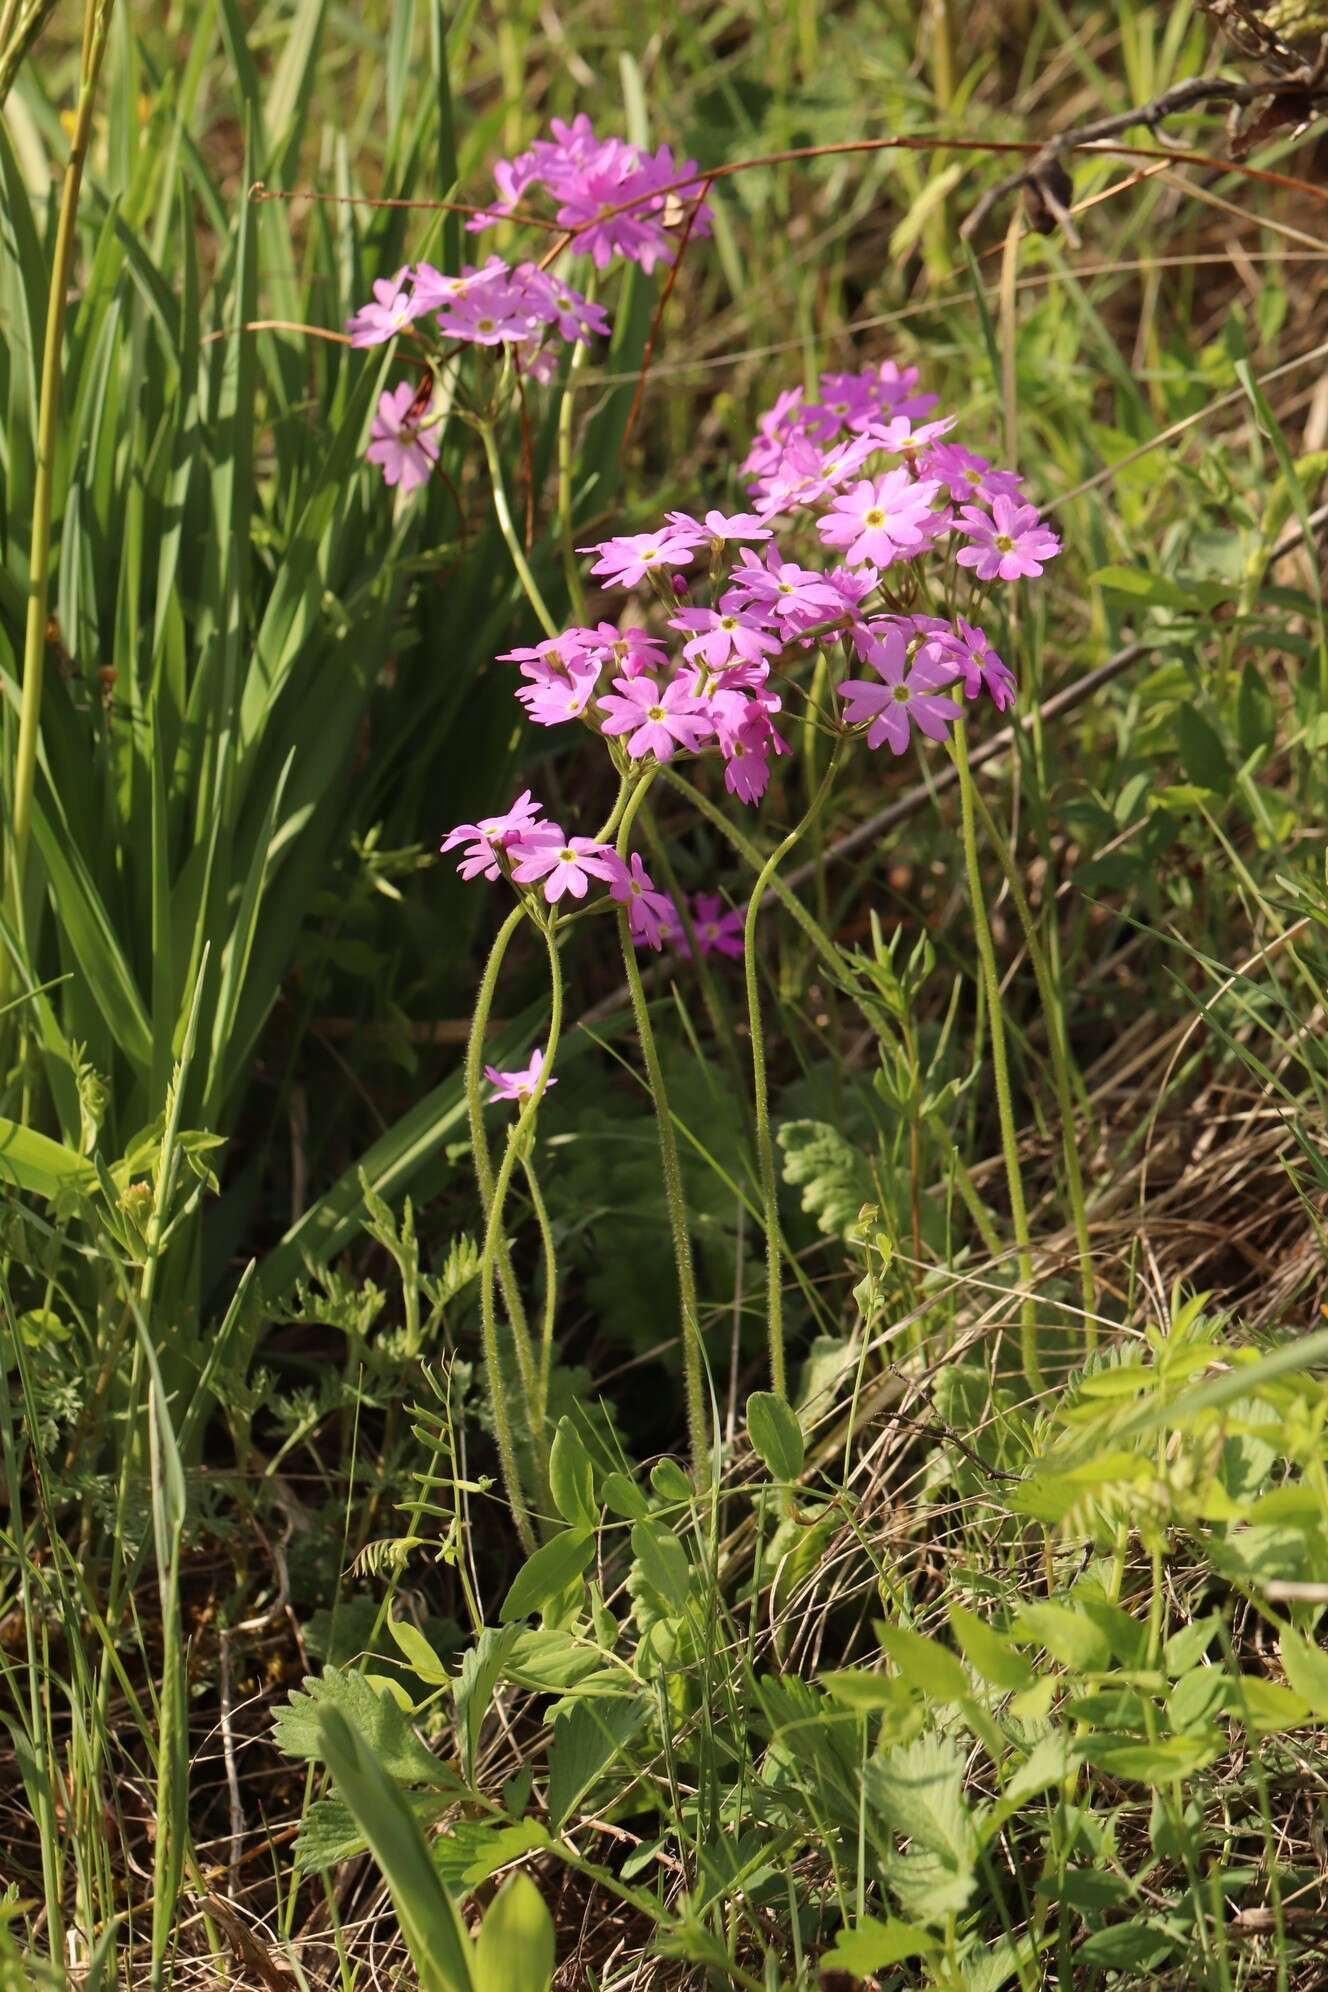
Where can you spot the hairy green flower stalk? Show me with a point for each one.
(765, 1147)
(698, 1421)
(1028, 1338)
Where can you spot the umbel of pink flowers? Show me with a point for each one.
(860, 508)
(622, 202)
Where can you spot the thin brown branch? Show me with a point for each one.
(1044, 178)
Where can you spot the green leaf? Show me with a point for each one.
(481, 1669)
(571, 1476)
(859, 1688)
(871, 1944)
(835, 1177)
(662, 1562)
(670, 1482)
(546, 1574)
(434, 1933)
(42, 1167)
(925, 1663)
(586, 1739)
(1268, 1708)
(624, 1497)
(776, 1435)
(298, 1728)
(514, 1951)
(1306, 1669)
(329, 1834)
(1158, 1763)
(1202, 754)
(421, 1656)
(1157, 591)
(988, 1653)
(1046, 1764)
(1069, 1635)
(918, 1790)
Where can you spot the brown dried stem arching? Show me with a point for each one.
(1297, 94)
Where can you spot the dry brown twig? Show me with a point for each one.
(1296, 96)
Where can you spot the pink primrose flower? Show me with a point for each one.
(518, 1086)
(1011, 542)
(405, 452)
(655, 721)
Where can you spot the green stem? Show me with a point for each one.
(745, 848)
(1000, 1068)
(479, 1138)
(576, 593)
(495, 1261)
(765, 1148)
(698, 1422)
(1060, 1065)
(96, 21)
(510, 534)
(517, 1137)
(545, 1367)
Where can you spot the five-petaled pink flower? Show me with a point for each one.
(518, 1086)
(978, 664)
(406, 452)
(492, 834)
(649, 912)
(718, 927)
(625, 561)
(719, 526)
(912, 692)
(655, 721)
(720, 635)
(396, 301)
(1011, 542)
(566, 864)
(882, 519)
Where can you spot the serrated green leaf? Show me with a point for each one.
(586, 1740)
(872, 1944)
(374, 1717)
(835, 1178)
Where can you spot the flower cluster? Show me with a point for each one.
(613, 199)
(531, 851)
(869, 535)
(620, 200)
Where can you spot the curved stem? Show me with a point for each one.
(576, 593)
(517, 1137)
(1060, 1065)
(510, 534)
(698, 1422)
(1000, 1068)
(545, 1367)
(765, 1148)
(496, 1256)
(745, 848)
(479, 1138)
